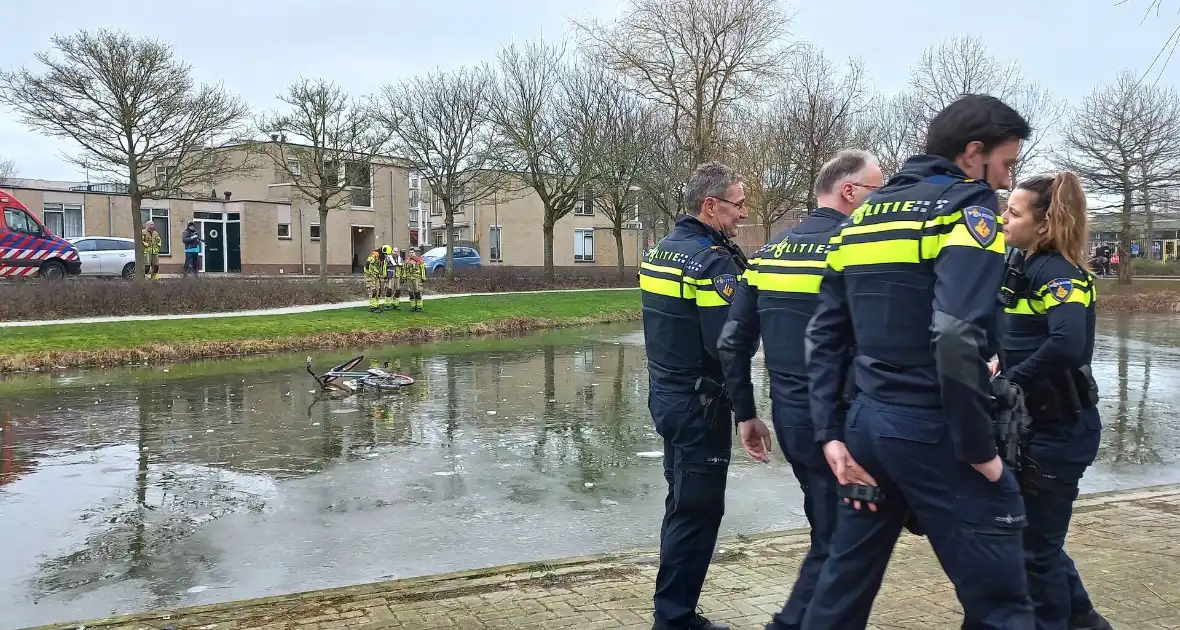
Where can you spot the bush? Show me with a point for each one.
(502, 279)
(90, 297)
(1143, 267)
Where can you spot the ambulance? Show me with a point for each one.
(28, 248)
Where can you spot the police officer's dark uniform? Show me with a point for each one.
(1048, 346)
(688, 282)
(776, 299)
(913, 277)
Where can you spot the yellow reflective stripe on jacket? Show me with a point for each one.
(1080, 292)
(928, 240)
(664, 286)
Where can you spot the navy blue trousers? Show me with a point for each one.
(1061, 453)
(796, 438)
(696, 462)
(974, 525)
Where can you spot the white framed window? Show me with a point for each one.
(583, 245)
(358, 177)
(415, 186)
(164, 174)
(494, 247)
(585, 205)
(160, 217)
(64, 219)
(285, 230)
(313, 231)
(294, 167)
(438, 237)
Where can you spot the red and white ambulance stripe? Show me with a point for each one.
(8, 271)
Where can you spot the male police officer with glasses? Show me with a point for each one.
(687, 283)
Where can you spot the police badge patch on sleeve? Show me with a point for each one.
(981, 224)
(726, 286)
(1060, 289)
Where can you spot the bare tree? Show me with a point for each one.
(546, 114)
(622, 155)
(759, 145)
(135, 112)
(662, 182)
(440, 122)
(961, 65)
(324, 145)
(695, 58)
(821, 110)
(7, 169)
(1124, 140)
(895, 130)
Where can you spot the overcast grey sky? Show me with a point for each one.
(257, 46)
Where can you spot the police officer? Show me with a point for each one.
(776, 299)
(912, 277)
(687, 283)
(1048, 345)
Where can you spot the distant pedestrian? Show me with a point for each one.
(192, 249)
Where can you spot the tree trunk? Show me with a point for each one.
(449, 224)
(323, 243)
(1147, 237)
(137, 229)
(547, 230)
(618, 230)
(766, 229)
(1124, 268)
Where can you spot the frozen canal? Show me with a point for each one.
(127, 490)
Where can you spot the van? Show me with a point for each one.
(27, 247)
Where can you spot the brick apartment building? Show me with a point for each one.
(257, 224)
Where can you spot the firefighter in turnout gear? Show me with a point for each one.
(911, 284)
(375, 267)
(152, 244)
(393, 279)
(413, 275)
(687, 283)
(775, 301)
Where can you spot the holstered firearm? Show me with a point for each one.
(713, 398)
(1010, 420)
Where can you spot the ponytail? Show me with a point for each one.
(1061, 203)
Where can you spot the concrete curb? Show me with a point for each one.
(288, 310)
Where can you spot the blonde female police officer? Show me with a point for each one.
(912, 279)
(1048, 344)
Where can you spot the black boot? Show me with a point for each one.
(1090, 620)
(700, 622)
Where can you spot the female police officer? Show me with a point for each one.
(1048, 344)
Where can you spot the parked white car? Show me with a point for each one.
(108, 256)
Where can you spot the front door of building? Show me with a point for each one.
(213, 252)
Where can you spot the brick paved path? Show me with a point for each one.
(1127, 547)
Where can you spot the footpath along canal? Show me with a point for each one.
(136, 489)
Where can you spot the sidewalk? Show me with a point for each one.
(287, 310)
(1126, 545)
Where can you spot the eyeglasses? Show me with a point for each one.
(739, 206)
(868, 186)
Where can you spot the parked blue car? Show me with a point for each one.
(436, 259)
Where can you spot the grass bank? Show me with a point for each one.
(1143, 295)
(168, 341)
